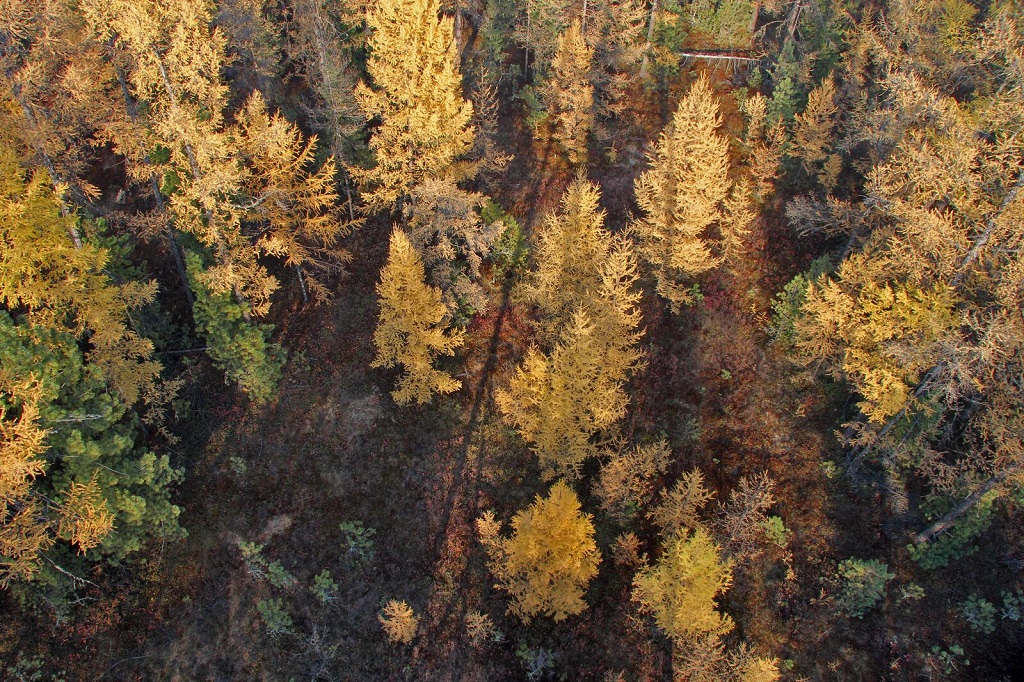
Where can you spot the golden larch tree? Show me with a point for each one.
(549, 559)
(410, 331)
(682, 195)
(220, 178)
(572, 244)
(416, 93)
(813, 133)
(681, 588)
(570, 93)
(559, 402)
(64, 286)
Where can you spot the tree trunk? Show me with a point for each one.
(650, 39)
(179, 262)
(983, 238)
(956, 512)
(526, 48)
(753, 19)
(129, 105)
(302, 285)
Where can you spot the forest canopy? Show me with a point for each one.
(511, 339)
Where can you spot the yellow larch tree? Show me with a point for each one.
(410, 331)
(615, 312)
(24, 531)
(399, 621)
(549, 559)
(559, 402)
(60, 285)
(571, 246)
(681, 588)
(221, 178)
(682, 195)
(813, 131)
(580, 263)
(293, 209)
(585, 288)
(51, 70)
(416, 93)
(570, 94)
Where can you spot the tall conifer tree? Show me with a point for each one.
(682, 195)
(410, 331)
(416, 92)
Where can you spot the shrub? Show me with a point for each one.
(255, 564)
(357, 542)
(275, 617)
(399, 621)
(479, 627)
(279, 576)
(958, 541)
(776, 530)
(1013, 605)
(324, 588)
(980, 614)
(863, 585)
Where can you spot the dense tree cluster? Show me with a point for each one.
(592, 248)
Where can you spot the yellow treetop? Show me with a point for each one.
(58, 284)
(549, 559)
(410, 331)
(580, 264)
(417, 95)
(219, 176)
(571, 93)
(296, 208)
(681, 196)
(812, 135)
(882, 336)
(681, 588)
(399, 621)
(559, 402)
(571, 247)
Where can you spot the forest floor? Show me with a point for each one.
(334, 448)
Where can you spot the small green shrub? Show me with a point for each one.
(255, 564)
(1013, 606)
(238, 466)
(947, 660)
(911, 592)
(776, 530)
(980, 614)
(357, 543)
(241, 349)
(863, 585)
(958, 541)
(324, 588)
(279, 576)
(539, 662)
(787, 307)
(275, 617)
(509, 252)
